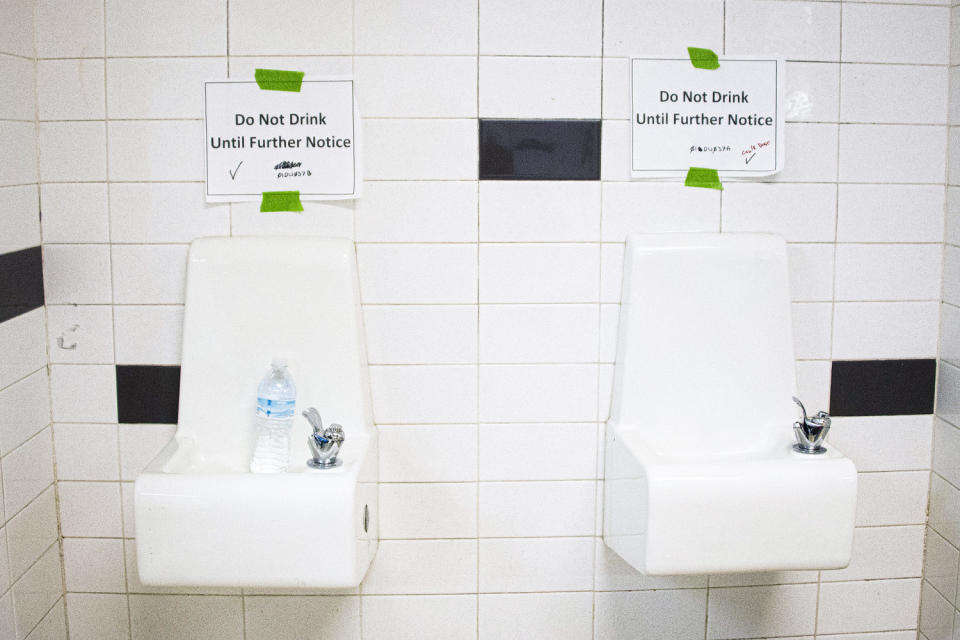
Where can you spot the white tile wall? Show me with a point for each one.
(490, 307)
(31, 587)
(939, 614)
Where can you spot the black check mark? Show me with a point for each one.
(233, 174)
(746, 162)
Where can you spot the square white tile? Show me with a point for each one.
(535, 615)
(538, 393)
(422, 211)
(421, 334)
(21, 136)
(285, 617)
(20, 226)
(407, 274)
(409, 567)
(753, 612)
(76, 274)
(173, 28)
(30, 533)
(900, 34)
(80, 334)
(538, 451)
(661, 27)
(878, 605)
(535, 564)
(649, 207)
(319, 29)
(98, 616)
(888, 272)
(19, 101)
(535, 87)
(574, 28)
(154, 87)
(149, 274)
(893, 93)
(883, 552)
(799, 213)
(428, 453)
(90, 509)
(417, 86)
(892, 153)
(451, 617)
(83, 393)
(412, 510)
(27, 472)
(884, 443)
(24, 410)
(890, 213)
(169, 617)
(539, 272)
(422, 27)
(72, 151)
(23, 345)
(866, 330)
(75, 213)
(539, 211)
(423, 394)
(446, 149)
(148, 334)
(156, 150)
(69, 28)
(808, 31)
(94, 565)
(37, 591)
(87, 451)
(891, 498)
(521, 333)
(70, 89)
(672, 613)
(531, 509)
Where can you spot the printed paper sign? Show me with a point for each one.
(729, 119)
(259, 140)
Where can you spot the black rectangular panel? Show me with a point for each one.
(540, 149)
(21, 282)
(148, 394)
(882, 387)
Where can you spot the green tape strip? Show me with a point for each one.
(278, 80)
(703, 58)
(705, 178)
(281, 201)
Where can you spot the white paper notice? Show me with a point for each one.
(729, 119)
(258, 140)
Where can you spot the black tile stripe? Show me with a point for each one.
(882, 387)
(540, 149)
(148, 393)
(21, 282)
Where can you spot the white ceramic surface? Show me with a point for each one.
(700, 475)
(201, 517)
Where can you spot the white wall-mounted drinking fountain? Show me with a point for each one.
(201, 517)
(701, 475)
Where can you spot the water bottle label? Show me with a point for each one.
(275, 408)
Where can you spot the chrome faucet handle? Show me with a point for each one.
(313, 417)
(811, 432)
(324, 444)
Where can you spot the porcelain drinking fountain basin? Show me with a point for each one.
(201, 518)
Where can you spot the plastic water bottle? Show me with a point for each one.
(276, 401)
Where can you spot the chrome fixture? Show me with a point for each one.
(324, 443)
(811, 432)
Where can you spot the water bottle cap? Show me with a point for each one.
(278, 363)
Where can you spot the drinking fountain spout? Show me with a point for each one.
(324, 444)
(811, 432)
